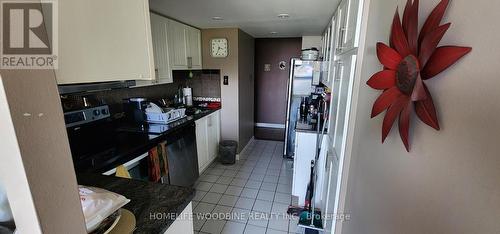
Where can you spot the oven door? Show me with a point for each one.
(137, 168)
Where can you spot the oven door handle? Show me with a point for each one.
(128, 165)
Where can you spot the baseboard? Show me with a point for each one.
(245, 148)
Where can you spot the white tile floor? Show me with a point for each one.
(251, 196)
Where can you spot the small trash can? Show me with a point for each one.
(227, 152)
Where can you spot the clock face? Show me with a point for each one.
(219, 47)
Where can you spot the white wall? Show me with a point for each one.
(450, 181)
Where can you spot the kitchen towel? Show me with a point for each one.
(158, 162)
(154, 165)
(122, 172)
(162, 154)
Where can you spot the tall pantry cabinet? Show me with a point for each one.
(340, 50)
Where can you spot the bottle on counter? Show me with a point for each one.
(303, 108)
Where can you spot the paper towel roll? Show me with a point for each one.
(187, 91)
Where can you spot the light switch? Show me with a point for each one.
(226, 80)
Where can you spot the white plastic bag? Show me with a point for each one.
(5, 212)
(98, 204)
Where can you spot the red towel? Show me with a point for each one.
(158, 162)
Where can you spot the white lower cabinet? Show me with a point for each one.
(207, 139)
(202, 143)
(305, 151)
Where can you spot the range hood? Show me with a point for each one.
(94, 87)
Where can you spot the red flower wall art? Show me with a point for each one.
(411, 59)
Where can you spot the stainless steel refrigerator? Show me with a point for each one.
(304, 76)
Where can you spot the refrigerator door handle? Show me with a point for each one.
(288, 101)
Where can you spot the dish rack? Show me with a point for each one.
(165, 117)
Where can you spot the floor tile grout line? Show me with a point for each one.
(258, 158)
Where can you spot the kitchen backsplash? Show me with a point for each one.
(205, 84)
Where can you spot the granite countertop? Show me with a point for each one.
(305, 126)
(146, 199)
(127, 144)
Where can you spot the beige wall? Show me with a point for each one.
(246, 87)
(237, 98)
(229, 67)
(36, 166)
(449, 183)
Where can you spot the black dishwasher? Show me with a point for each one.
(182, 156)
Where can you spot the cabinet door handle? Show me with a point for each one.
(343, 30)
(157, 75)
(190, 62)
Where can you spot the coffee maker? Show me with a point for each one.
(134, 109)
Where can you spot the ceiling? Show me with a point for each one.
(257, 17)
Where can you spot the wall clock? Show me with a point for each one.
(219, 48)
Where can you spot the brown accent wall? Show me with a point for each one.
(271, 86)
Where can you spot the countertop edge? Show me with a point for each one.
(134, 189)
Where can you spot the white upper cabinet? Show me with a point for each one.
(340, 26)
(193, 37)
(326, 56)
(348, 15)
(103, 41)
(351, 36)
(159, 28)
(185, 46)
(329, 56)
(178, 45)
